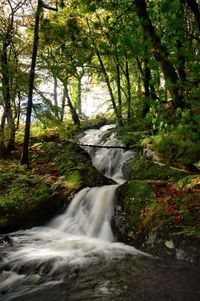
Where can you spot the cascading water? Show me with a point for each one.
(89, 213)
(82, 233)
(74, 258)
(107, 160)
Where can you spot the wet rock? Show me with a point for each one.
(121, 224)
(133, 224)
(6, 241)
(170, 244)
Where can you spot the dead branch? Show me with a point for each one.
(107, 146)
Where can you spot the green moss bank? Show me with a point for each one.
(140, 168)
(29, 197)
(158, 209)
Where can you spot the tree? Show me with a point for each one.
(9, 37)
(65, 55)
(40, 6)
(160, 53)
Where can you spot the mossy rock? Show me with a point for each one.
(72, 162)
(173, 148)
(132, 198)
(31, 197)
(149, 214)
(131, 138)
(22, 195)
(139, 195)
(144, 169)
(189, 183)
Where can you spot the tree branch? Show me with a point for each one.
(44, 5)
(106, 146)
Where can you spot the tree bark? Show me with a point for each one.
(119, 89)
(18, 110)
(7, 114)
(63, 104)
(106, 146)
(56, 109)
(106, 77)
(109, 88)
(146, 76)
(40, 5)
(193, 5)
(79, 102)
(160, 53)
(2, 129)
(149, 89)
(74, 114)
(25, 157)
(128, 87)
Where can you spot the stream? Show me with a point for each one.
(75, 255)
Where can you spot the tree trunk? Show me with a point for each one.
(63, 104)
(25, 157)
(109, 88)
(11, 124)
(118, 66)
(119, 90)
(149, 90)
(2, 130)
(56, 97)
(193, 5)
(106, 79)
(146, 76)
(7, 114)
(160, 53)
(79, 101)
(181, 31)
(74, 114)
(18, 110)
(128, 87)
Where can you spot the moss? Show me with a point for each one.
(143, 169)
(130, 137)
(21, 194)
(74, 179)
(189, 207)
(159, 208)
(173, 147)
(72, 162)
(188, 182)
(188, 231)
(29, 197)
(139, 195)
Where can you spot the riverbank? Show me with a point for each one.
(158, 209)
(31, 196)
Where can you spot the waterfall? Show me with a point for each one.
(81, 234)
(107, 160)
(89, 213)
(74, 257)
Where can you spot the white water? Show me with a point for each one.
(74, 258)
(107, 160)
(82, 232)
(89, 213)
